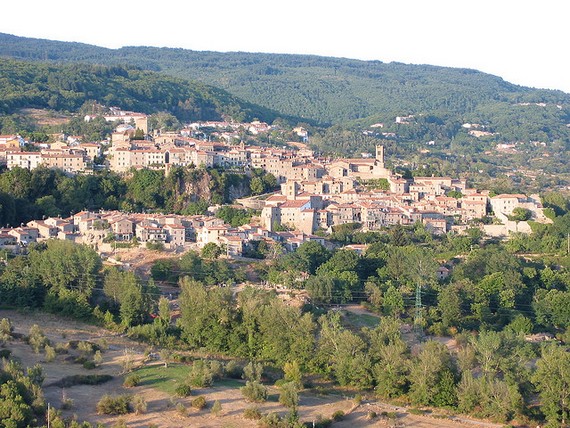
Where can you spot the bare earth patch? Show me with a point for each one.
(161, 406)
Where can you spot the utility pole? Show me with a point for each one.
(418, 317)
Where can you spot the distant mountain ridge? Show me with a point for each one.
(325, 91)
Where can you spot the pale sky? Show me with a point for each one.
(523, 41)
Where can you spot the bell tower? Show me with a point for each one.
(380, 155)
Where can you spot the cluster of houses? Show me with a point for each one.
(317, 193)
(106, 229)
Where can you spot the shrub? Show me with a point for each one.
(37, 338)
(322, 423)
(66, 404)
(121, 423)
(62, 348)
(254, 391)
(132, 380)
(183, 390)
(6, 329)
(253, 371)
(89, 365)
(97, 357)
(252, 413)
(216, 369)
(233, 370)
(183, 411)
(114, 405)
(371, 415)
(216, 408)
(139, 404)
(69, 381)
(5, 353)
(80, 360)
(200, 374)
(199, 402)
(338, 416)
(50, 353)
(270, 420)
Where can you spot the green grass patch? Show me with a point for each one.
(361, 320)
(165, 379)
(229, 383)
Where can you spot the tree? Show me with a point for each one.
(520, 214)
(449, 304)
(343, 353)
(289, 396)
(211, 251)
(256, 185)
(552, 380)
(312, 254)
(430, 376)
(292, 373)
(64, 264)
(125, 290)
(206, 315)
(391, 358)
(393, 303)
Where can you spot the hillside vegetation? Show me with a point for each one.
(324, 90)
(66, 87)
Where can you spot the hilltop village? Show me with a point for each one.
(316, 193)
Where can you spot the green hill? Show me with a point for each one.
(66, 87)
(326, 91)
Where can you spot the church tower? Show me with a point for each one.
(380, 155)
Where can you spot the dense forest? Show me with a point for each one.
(67, 87)
(326, 91)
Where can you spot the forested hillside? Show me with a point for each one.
(326, 91)
(66, 87)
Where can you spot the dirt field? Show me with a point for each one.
(161, 409)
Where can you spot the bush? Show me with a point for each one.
(199, 402)
(233, 370)
(155, 246)
(89, 365)
(254, 391)
(139, 404)
(5, 353)
(183, 390)
(216, 369)
(252, 413)
(253, 371)
(66, 404)
(37, 339)
(216, 408)
(182, 411)
(114, 405)
(371, 415)
(200, 374)
(132, 380)
(271, 420)
(338, 416)
(50, 353)
(69, 381)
